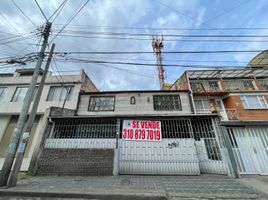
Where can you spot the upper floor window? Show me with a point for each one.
(59, 93)
(167, 102)
(20, 94)
(202, 106)
(254, 102)
(132, 100)
(2, 92)
(101, 103)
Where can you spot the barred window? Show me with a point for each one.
(167, 102)
(101, 103)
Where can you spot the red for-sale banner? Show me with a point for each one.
(142, 130)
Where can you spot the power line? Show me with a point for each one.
(41, 10)
(71, 19)
(84, 26)
(165, 35)
(148, 64)
(23, 13)
(168, 40)
(64, 53)
(58, 10)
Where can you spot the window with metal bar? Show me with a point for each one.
(59, 93)
(84, 128)
(2, 93)
(167, 102)
(101, 103)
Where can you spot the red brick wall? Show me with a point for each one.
(234, 102)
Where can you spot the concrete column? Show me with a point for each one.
(116, 150)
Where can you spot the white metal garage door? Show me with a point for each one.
(250, 146)
(169, 156)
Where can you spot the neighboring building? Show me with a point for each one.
(240, 98)
(57, 89)
(133, 132)
(260, 60)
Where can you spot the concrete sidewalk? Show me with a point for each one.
(134, 187)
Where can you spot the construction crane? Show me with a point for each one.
(157, 45)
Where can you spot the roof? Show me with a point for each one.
(134, 91)
(228, 73)
(260, 60)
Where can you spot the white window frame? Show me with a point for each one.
(204, 109)
(258, 97)
(50, 97)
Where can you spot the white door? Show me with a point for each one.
(250, 146)
(169, 156)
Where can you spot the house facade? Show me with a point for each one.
(239, 97)
(57, 91)
(133, 132)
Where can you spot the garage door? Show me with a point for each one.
(250, 146)
(175, 153)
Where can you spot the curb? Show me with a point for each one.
(101, 196)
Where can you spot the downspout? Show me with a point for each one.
(190, 94)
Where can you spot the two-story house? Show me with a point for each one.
(58, 91)
(133, 132)
(240, 98)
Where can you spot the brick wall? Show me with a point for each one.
(76, 162)
(234, 102)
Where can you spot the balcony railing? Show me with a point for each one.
(205, 86)
(237, 85)
(232, 114)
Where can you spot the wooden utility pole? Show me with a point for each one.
(13, 146)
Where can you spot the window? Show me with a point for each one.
(2, 92)
(20, 94)
(59, 93)
(132, 100)
(102, 103)
(202, 106)
(213, 85)
(254, 102)
(167, 102)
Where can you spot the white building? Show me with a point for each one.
(57, 89)
(133, 132)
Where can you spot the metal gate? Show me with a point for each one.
(209, 145)
(187, 147)
(250, 147)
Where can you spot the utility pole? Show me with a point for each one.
(13, 146)
(12, 181)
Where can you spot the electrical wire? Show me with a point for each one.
(70, 20)
(58, 10)
(23, 13)
(41, 10)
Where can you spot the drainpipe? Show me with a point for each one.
(190, 94)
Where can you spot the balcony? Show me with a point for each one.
(231, 114)
(205, 86)
(238, 85)
(203, 111)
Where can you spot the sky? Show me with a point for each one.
(19, 36)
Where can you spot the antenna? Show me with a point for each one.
(157, 45)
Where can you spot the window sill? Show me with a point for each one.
(256, 108)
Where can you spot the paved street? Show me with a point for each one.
(134, 187)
